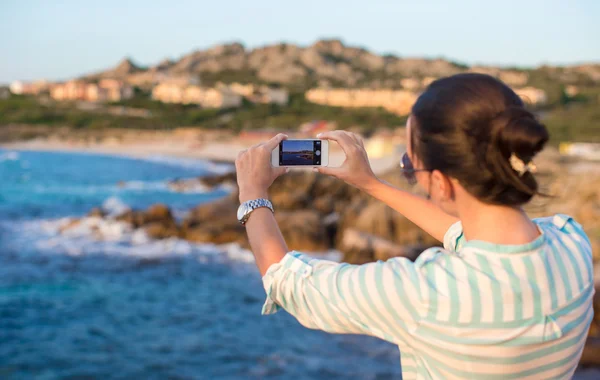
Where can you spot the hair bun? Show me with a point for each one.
(516, 130)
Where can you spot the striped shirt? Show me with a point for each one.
(471, 309)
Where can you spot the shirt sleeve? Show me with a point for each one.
(380, 299)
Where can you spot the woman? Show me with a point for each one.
(505, 297)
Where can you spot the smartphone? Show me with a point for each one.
(301, 152)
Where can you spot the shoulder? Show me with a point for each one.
(561, 222)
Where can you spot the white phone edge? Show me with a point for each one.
(324, 155)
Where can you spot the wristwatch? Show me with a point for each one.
(247, 207)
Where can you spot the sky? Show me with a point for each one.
(62, 39)
(297, 145)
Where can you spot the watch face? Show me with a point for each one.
(241, 211)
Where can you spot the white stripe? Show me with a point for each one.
(465, 293)
(541, 279)
(443, 292)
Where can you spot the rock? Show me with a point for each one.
(222, 209)
(217, 233)
(157, 220)
(219, 179)
(157, 230)
(324, 204)
(360, 247)
(591, 353)
(158, 213)
(97, 212)
(69, 225)
(288, 200)
(215, 222)
(303, 230)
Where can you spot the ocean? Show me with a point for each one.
(104, 302)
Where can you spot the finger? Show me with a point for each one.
(240, 154)
(358, 138)
(332, 171)
(273, 142)
(340, 137)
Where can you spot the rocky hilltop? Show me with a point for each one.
(324, 62)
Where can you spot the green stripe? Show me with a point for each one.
(532, 281)
(551, 282)
(516, 288)
(497, 301)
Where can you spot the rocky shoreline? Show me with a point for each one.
(317, 213)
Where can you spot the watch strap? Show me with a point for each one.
(253, 205)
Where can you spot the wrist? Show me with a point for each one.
(371, 185)
(250, 194)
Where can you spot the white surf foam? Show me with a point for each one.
(9, 156)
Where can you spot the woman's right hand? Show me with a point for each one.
(355, 170)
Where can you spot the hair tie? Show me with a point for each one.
(520, 167)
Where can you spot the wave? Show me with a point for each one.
(9, 156)
(92, 236)
(191, 163)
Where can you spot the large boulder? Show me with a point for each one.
(303, 230)
(215, 222)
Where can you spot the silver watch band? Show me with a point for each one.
(253, 205)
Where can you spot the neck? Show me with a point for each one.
(497, 224)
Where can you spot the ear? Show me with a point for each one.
(444, 185)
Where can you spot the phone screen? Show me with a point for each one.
(300, 152)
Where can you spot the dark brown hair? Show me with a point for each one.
(467, 126)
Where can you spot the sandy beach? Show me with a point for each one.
(218, 151)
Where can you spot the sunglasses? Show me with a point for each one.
(408, 170)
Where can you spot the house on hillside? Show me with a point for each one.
(29, 88)
(259, 94)
(396, 101)
(106, 90)
(220, 97)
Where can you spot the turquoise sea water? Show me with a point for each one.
(104, 302)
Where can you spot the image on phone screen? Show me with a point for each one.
(300, 152)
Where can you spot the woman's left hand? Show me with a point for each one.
(254, 170)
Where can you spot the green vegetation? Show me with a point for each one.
(28, 110)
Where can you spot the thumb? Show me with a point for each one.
(332, 171)
(280, 171)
